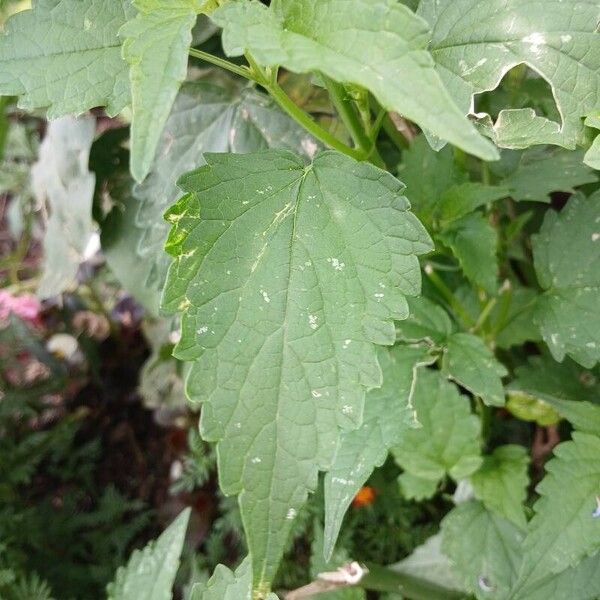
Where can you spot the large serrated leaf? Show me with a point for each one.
(448, 439)
(286, 274)
(150, 572)
(564, 530)
(155, 45)
(474, 44)
(484, 550)
(65, 56)
(388, 413)
(377, 44)
(206, 118)
(566, 255)
(62, 180)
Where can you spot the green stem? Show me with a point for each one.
(447, 294)
(347, 112)
(242, 71)
(385, 579)
(484, 315)
(267, 81)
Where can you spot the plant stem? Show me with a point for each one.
(447, 294)
(485, 313)
(347, 112)
(267, 81)
(242, 71)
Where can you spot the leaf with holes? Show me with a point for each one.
(377, 44)
(566, 255)
(475, 44)
(286, 274)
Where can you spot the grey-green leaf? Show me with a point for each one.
(448, 440)
(62, 180)
(388, 413)
(155, 45)
(150, 572)
(286, 274)
(474, 44)
(566, 255)
(471, 363)
(65, 56)
(377, 44)
(484, 549)
(501, 482)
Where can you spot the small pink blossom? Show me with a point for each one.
(26, 307)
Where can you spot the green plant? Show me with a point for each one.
(331, 320)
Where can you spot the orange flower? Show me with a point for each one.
(364, 497)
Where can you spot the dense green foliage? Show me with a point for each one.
(367, 233)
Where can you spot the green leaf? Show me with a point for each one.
(206, 118)
(65, 56)
(563, 530)
(225, 585)
(485, 549)
(472, 364)
(150, 572)
(570, 391)
(388, 413)
(61, 179)
(473, 240)
(581, 582)
(427, 175)
(307, 265)
(427, 322)
(377, 44)
(460, 200)
(566, 256)
(516, 324)
(448, 439)
(475, 44)
(429, 563)
(501, 482)
(417, 488)
(540, 172)
(592, 156)
(155, 45)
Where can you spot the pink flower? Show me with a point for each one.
(26, 307)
